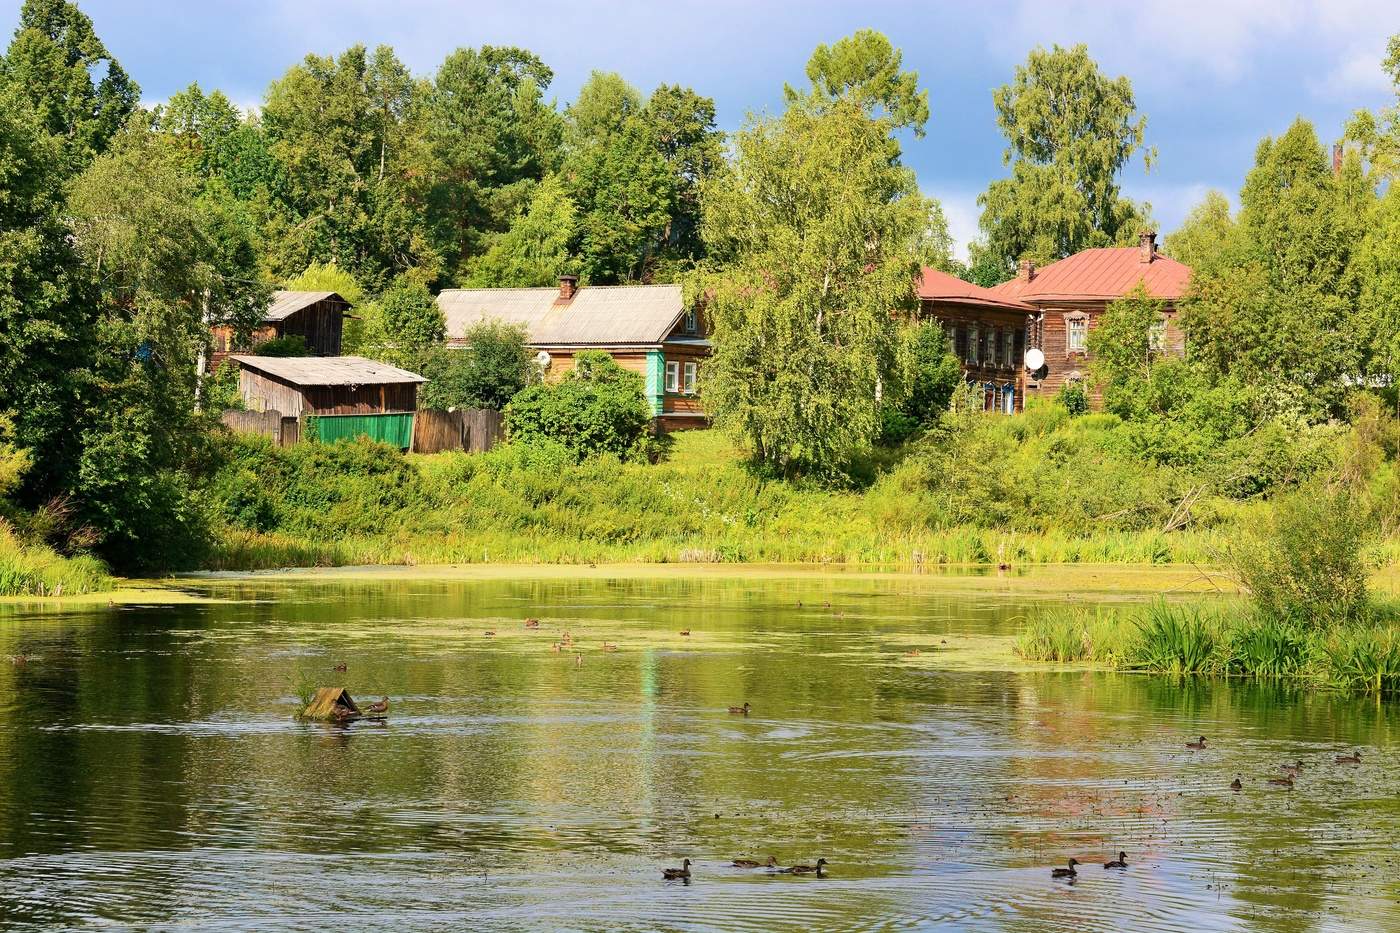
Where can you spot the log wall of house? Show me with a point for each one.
(958, 319)
(1063, 366)
(321, 325)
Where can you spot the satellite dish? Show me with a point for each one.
(542, 359)
(1035, 358)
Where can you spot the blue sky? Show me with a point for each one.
(1213, 76)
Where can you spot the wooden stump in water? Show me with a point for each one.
(331, 703)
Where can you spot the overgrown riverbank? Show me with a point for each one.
(363, 504)
(37, 570)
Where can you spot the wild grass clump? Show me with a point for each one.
(1364, 659)
(1175, 640)
(1073, 634)
(36, 570)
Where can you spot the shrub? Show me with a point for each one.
(290, 345)
(488, 372)
(597, 408)
(935, 372)
(1304, 562)
(1074, 399)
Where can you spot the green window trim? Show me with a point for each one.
(655, 378)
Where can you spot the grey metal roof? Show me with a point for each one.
(327, 370)
(285, 304)
(598, 315)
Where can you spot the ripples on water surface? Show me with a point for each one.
(153, 774)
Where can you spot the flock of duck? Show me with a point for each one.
(1286, 779)
(1071, 869)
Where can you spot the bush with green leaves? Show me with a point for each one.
(597, 408)
(934, 372)
(288, 345)
(1073, 398)
(488, 372)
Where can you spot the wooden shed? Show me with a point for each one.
(338, 396)
(316, 317)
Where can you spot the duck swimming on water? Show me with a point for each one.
(1235, 784)
(1353, 759)
(1197, 745)
(1285, 781)
(750, 863)
(382, 706)
(741, 710)
(1120, 862)
(677, 874)
(1293, 768)
(805, 869)
(1065, 872)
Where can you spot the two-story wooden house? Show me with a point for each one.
(988, 333)
(1070, 296)
(646, 328)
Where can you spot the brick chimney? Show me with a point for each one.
(1025, 270)
(1336, 159)
(1147, 246)
(568, 287)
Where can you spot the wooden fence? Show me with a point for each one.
(475, 430)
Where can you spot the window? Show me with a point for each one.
(691, 323)
(1077, 334)
(960, 342)
(1157, 335)
(673, 372)
(1019, 353)
(974, 335)
(690, 378)
(994, 347)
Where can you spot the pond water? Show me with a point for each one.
(152, 773)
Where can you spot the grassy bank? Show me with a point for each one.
(1229, 639)
(359, 504)
(35, 570)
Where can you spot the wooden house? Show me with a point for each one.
(316, 317)
(339, 396)
(646, 328)
(988, 332)
(1070, 297)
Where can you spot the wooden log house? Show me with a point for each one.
(316, 317)
(988, 333)
(1070, 296)
(645, 328)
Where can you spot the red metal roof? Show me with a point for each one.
(1101, 273)
(940, 286)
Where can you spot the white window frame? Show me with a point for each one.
(1078, 325)
(688, 386)
(691, 324)
(1157, 335)
(673, 376)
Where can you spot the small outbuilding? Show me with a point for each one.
(338, 396)
(316, 317)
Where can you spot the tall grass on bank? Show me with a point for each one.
(35, 570)
(1228, 640)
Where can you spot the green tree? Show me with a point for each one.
(1277, 306)
(1120, 350)
(1378, 264)
(1070, 131)
(535, 250)
(162, 255)
(1203, 234)
(404, 323)
(683, 126)
(342, 132)
(866, 70)
(815, 237)
(1379, 133)
(492, 138)
(934, 372)
(52, 63)
(619, 180)
(495, 364)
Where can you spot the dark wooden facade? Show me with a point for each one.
(988, 333)
(321, 323)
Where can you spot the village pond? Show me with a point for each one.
(153, 773)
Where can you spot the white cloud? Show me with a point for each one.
(1357, 72)
(961, 211)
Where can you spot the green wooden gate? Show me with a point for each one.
(394, 429)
